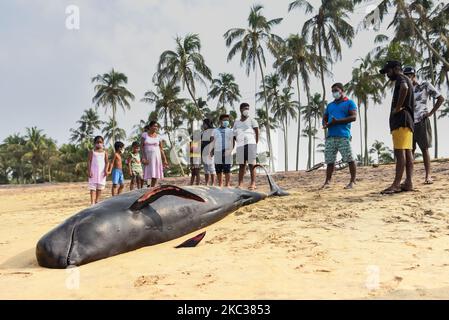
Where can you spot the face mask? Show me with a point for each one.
(336, 94)
(226, 123)
(245, 113)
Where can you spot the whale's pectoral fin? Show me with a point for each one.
(161, 191)
(192, 242)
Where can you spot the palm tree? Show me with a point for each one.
(35, 146)
(283, 111)
(295, 60)
(250, 42)
(378, 147)
(110, 92)
(404, 15)
(192, 114)
(366, 84)
(168, 104)
(185, 65)
(88, 123)
(112, 133)
(15, 149)
(312, 113)
(328, 25)
(226, 89)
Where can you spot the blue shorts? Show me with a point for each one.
(117, 176)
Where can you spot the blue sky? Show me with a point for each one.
(46, 68)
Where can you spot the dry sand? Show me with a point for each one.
(332, 244)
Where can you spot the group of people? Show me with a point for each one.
(409, 126)
(149, 167)
(213, 148)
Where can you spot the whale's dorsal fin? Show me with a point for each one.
(154, 194)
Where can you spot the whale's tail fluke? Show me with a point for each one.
(275, 190)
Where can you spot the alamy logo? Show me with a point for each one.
(72, 21)
(373, 278)
(72, 282)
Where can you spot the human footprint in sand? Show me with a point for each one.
(337, 119)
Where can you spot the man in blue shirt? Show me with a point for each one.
(337, 119)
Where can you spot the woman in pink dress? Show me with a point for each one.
(153, 156)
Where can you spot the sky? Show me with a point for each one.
(47, 68)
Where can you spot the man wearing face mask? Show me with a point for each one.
(401, 126)
(246, 133)
(337, 119)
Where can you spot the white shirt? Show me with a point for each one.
(244, 131)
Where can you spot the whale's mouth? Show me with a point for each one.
(69, 249)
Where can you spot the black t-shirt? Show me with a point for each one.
(403, 118)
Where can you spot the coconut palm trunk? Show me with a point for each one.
(435, 123)
(299, 119)
(365, 103)
(270, 146)
(360, 127)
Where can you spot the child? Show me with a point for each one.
(195, 163)
(116, 167)
(223, 144)
(97, 166)
(135, 167)
(206, 146)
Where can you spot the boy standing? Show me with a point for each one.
(223, 144)
(135, 167)
(116, 168)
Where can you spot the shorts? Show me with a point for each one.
(96, 186)
(334, 145)
(136, 177)
(209, 168)
(117, 176)
(402, 138)
(422, 135)
(247, 153)
(223, 168)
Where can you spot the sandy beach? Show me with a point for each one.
(313, 244)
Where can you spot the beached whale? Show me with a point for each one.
(140, 218)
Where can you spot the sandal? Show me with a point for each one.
(391, 190)
(428, 181)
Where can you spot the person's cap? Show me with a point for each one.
(409, 70)
(390, 65)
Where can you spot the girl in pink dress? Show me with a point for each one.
(97, 164)
(153, 155)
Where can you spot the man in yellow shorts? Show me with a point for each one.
(401, 126)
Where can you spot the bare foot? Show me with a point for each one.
(350, 185)
(326, 185)
(252, 187)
